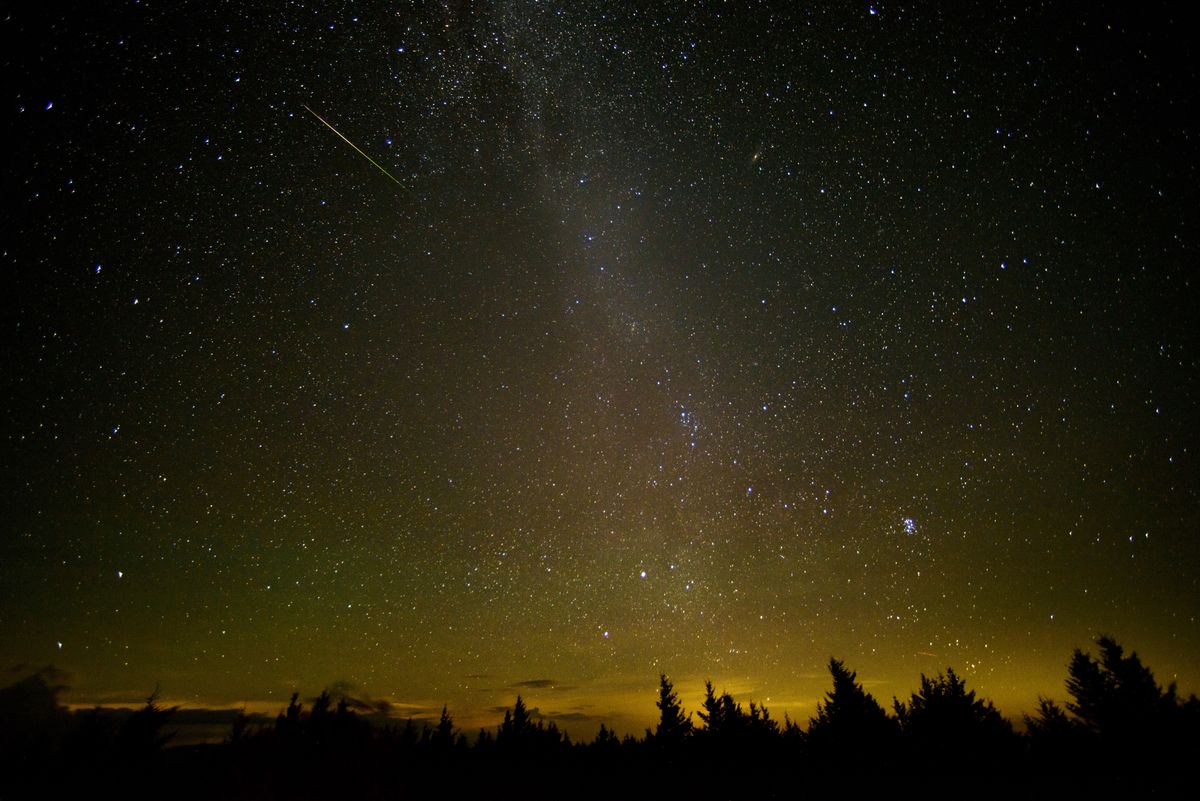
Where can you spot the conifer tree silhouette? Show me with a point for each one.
(710, 709)
(287, 724)
(517, 729)
(759, 723)
(605, 737)
(722, 716)
(443, 733)
(141, 736)
(1117, 701)
(850, 723)
(1057, 740)
(239, 730)
(1050, 721)
(1117, 720)
(673, 725)
(1116, 695)
(944, 722)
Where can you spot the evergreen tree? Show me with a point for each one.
(239, 731)
(1050, 720)
(726, 721)
(946, 723)
(1056, 739)
(605, 737)
(710, 708)
(409, 734)
(520, 719)
(792, 733)
(673, 725)
(722, 716)
(443, 733)
(760, 718)
(321, 705)
(288, 722)
(1116, 700)
(1116, 695)
(141, 736)
(850, 722)
(517, 727)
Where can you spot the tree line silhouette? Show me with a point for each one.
(1119, 733)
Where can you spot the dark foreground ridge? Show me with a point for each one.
(1120, 735)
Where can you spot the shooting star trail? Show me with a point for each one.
(364, 155)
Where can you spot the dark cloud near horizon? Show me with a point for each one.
(34, 698)
(536, 713)
(570, 717)
(539, 684)
(50, 673)
(357, 699)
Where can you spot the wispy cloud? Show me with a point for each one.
(540, 684)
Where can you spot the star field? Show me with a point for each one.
(709, 339)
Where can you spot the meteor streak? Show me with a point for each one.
(364, 155)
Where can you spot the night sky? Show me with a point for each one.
(715, 339)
